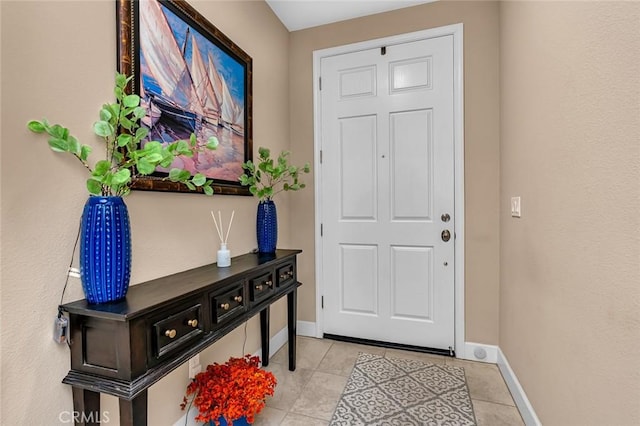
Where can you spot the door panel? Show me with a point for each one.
(359, 289)
(358, 168)
(412, 284)
(411, 165)
(357, 82)
(410, 74)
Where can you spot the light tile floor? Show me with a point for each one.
(309, 395)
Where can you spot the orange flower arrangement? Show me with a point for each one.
(231, 390)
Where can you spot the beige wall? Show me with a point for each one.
(481, 85)
(58, 62)
(570, 267)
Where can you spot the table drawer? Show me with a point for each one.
(177, 328)
(228, 304)
(285, 274)
(261, 286)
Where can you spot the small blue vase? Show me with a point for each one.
(105, 249)
(267, 226)
(242, 421)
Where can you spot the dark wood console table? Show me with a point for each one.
(122, 348)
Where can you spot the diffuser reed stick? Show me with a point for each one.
(229, 229)
(215, 222)
(219, 226)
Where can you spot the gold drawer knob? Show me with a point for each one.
(238, 299)
(225, 306)
(193, 323)
(269, 283)
(170, 334)
(287, 274)
(259, 287)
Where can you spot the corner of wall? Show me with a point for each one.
(519, 396)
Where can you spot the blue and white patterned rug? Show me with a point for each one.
(390, 391)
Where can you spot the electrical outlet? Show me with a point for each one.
(60, 327)
(194, 366)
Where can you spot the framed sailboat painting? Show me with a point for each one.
(193, 80)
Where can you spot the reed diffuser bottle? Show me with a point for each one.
(224, 255)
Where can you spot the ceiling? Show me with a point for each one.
(301, 14)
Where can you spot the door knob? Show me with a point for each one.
(446, 235)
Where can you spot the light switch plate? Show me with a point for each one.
(515, 207)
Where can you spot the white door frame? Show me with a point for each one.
(456, 31)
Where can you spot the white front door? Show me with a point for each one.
(387, 195)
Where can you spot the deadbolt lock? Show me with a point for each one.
(446, 235)
(445, 217)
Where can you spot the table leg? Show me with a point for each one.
(291, 326)
(134, 412)
(86, 407)
(264, 335)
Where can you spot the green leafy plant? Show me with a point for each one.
(269, 177)
(125, 160)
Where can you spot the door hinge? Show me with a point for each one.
(320, 156)
(321, 230)
(322, 302)
(383, 50)
(319, 83)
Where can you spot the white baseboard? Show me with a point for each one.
(276, 342)
(519, 397)
(480, 352)
(189, 418)
(303, 328)
(307, 328)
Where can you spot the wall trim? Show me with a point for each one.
(456, 30)
(490, 352)
(519, 396)
(275, 343)
(190, 421)
(307, 329)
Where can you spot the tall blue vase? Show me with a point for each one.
(267, 226)
(105, 249)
